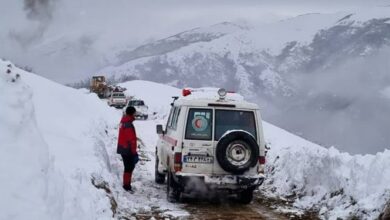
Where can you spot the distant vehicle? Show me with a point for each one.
(117, 99)
(140, 107)
(211, 143)
(99, 86)
(102, 89)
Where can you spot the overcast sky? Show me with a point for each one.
(84, 33)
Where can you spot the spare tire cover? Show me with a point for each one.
(237, 151)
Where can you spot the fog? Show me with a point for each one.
(345, 106)
(68, 40)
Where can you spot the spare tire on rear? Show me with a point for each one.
(237, 151)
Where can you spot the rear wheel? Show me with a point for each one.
(246, 196)
(158, 177)
(173, 189)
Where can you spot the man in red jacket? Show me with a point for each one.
(127, 146)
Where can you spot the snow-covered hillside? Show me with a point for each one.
(58, 159)
(327, 69)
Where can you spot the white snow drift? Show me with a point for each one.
(48, 149)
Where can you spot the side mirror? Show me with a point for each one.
(159, 129)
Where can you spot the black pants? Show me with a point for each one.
(128, 162)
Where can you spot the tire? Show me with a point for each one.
(173, 190)
(237, 152)
(158, 177)
(246, 196)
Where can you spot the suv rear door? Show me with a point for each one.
(198, 150)
(232, 119)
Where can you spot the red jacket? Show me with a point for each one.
(127, 139)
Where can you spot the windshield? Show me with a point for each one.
(226, 120)
(136, 103)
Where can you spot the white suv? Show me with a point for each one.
(140, 107)
(117, 99)
(211, 143)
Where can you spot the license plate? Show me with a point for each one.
(198, 159)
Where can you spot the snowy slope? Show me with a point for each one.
(335, 183)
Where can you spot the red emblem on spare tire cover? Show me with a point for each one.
(247, 141)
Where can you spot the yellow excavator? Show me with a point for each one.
(100, 87)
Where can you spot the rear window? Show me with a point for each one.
(118, 95)
(136, 103)
(199, 124)
(226, 120)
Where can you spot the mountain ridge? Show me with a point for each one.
(285, 79)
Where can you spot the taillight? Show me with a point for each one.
(262, 160)
(177, 165)
(261, 166)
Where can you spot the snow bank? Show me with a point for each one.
(24, 157)
(49, 149)
(335, 183)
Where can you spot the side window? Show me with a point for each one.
(172, 120)
(170, 117)
(175, 118)
(199, 124)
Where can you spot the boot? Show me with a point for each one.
(127, 181)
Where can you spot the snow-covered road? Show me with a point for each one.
(149, 198)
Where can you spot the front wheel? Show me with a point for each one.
(158, 177)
